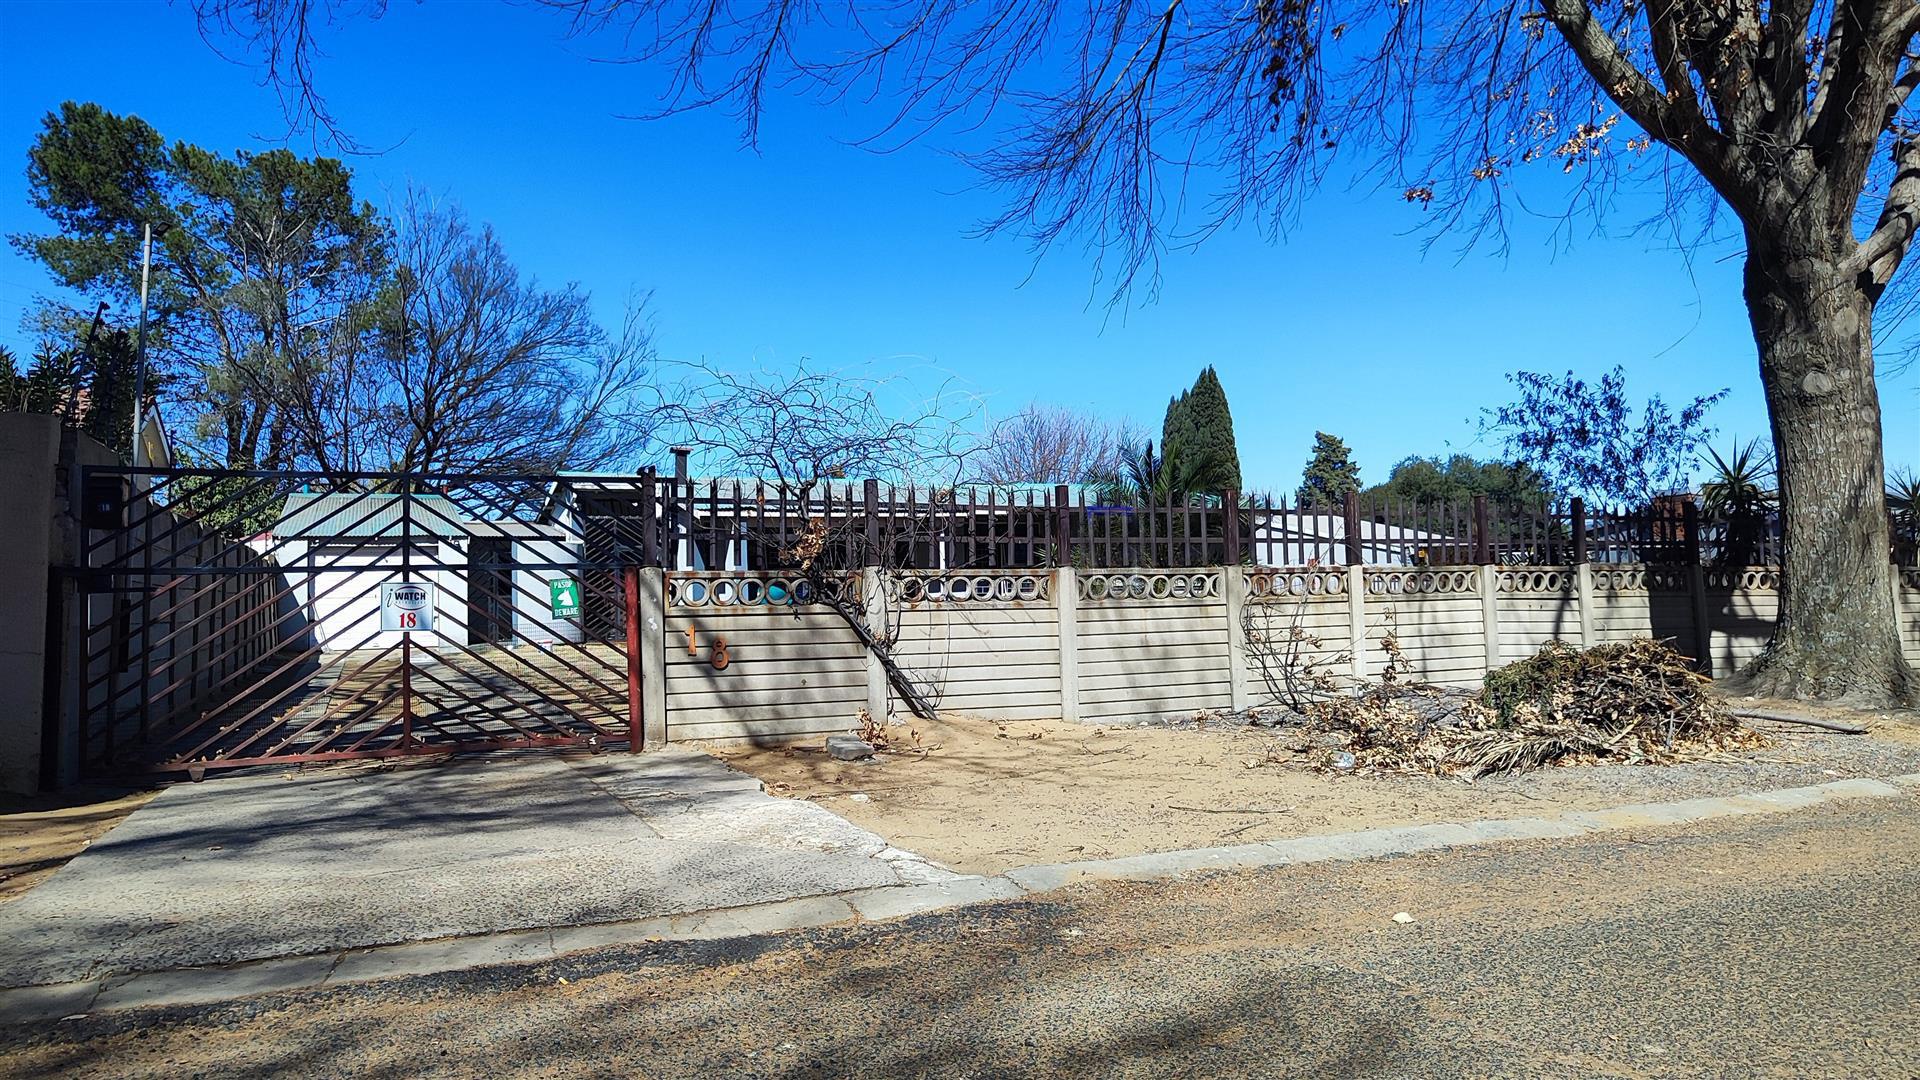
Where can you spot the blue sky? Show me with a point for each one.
(809, 247)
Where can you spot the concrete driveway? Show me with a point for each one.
(288, 863)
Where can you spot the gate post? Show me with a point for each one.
(636, 726)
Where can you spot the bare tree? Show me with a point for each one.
(1048, 444)
(802, 425)
(1795, 117)
(469, 365)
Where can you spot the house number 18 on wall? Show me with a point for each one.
(717, 656)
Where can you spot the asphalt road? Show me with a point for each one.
(1784, 945)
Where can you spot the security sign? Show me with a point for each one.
(406, 607)
(566, 597)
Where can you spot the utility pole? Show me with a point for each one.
(140, 351)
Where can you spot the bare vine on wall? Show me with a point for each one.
(830, 553)
(1296, 668)
(1291, 660)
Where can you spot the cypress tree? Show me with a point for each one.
(1176, 431)
(1329, 474)
(1197, 439)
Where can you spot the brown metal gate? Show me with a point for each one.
(250, 618)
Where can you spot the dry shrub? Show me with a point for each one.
(888, 737)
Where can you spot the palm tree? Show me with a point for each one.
(1741, 496)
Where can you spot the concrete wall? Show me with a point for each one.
(942, 618)
(1152, 643)
(80, 664)
(793, 668)
(1436, 616)
(29, 460)
(1102, 646)
(1909, 613)
(1126, 645)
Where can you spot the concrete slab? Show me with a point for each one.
(1523, 829)
(289, 863)
(1860, 787)
(568, 939)
(762, 918)
(450, 954)
(187, 986)
(192, 986)
(37, 1004)
(917, 899)
(1373, 843)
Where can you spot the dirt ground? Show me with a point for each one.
(39, 835)
(1900, 725)
(988, 795)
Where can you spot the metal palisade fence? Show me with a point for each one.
(233, 618)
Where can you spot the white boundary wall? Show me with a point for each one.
(1120, 645)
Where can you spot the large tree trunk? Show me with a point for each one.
(1837, 636)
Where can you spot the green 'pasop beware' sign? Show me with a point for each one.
(566, 597)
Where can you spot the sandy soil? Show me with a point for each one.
(994, 795)
(38, 836)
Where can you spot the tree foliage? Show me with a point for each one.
(296, 326)
(83, 377)
(1434, 481)
(1197, 441)
(1903, 506)
(466, 363)
(264, 264)
(1589, 439)
(1330, 473)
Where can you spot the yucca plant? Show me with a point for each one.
(1739, 494)
(1903, 506)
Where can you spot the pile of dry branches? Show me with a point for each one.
(1630, 703)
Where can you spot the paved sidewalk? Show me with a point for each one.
(886, 901)
(297, 864)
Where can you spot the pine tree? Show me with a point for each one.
(1197, 439)
(1330, 474)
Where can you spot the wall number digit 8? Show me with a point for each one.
(719, 658)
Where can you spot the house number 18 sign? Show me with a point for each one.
(406, 607)
(717, 656)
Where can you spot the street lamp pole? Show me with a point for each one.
(140, 352)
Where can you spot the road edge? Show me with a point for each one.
(206, 985)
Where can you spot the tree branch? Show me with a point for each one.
(1881, 253)
(1657, 113)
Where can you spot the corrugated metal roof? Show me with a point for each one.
(362, 514)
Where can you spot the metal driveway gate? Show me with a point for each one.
(247, 618)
